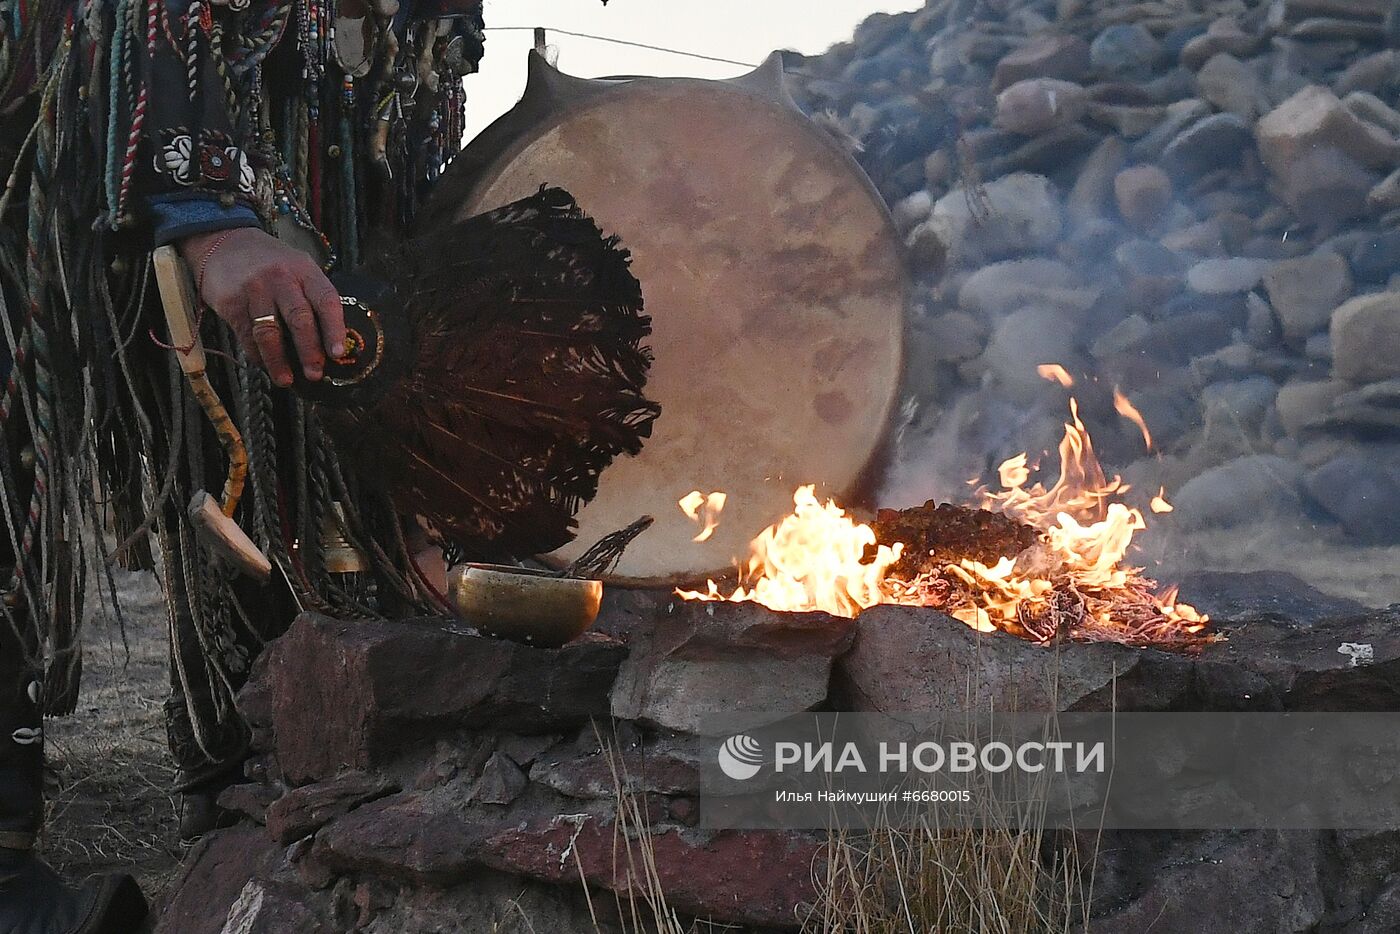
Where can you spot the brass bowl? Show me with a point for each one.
(524, 605)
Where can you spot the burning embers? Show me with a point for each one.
(1033, 560)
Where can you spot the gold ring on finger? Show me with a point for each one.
(261, 320)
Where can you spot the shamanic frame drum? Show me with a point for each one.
(772, 272)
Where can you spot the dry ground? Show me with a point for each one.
(109, 767)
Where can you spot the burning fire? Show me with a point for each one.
(815, 559)
(1073, 580)
(1123, 407)
(704, 509)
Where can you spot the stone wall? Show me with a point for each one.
(418, 777)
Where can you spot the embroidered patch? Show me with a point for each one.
(213, 161)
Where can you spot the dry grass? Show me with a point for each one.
(109, 766)
(640, 900)
(1007, 877)
(985, 866)
(929, 881)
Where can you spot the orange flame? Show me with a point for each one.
(812, 560)
(1126, 409)
(704, 509)
(818, 558)
(1159, 502)
(1056, 374)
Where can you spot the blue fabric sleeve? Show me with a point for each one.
(174, 217)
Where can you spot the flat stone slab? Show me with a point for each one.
(910, 659)
(692, 660)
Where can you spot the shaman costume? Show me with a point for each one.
(128, 124)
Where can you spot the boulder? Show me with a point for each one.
(1130, 122)
(1024, 341)
(1232, 86)
(1369, 73)
(501, 781)
(1304, 404)
(305, 810)
(750, 878)
(234, 877)
(1214, 142)
(1143, 194)
(953, 336)
(1063, 57)
(1362, 494)
(381, 687)
(1305, 291)
(1374, 111)
(1314, 118)
(1223, 37)
(1039, 104)
(1088, 199)
(666, 765)
(1180, 115)
(1368, 411)
(1016, 214)
(1226, 276)
(913, 210)
(1325, 185)
(704, 658)
(921, 661)
(1000, 288)
(1366, 338)
(1377, 257)
(413, 838)
(1275, 887)
(1239, 492)
(1124, 49)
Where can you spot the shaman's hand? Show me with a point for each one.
(257, 285)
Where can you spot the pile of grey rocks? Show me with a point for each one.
(1196, 202)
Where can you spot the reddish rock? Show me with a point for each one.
(305, 810)
(755, 877)
(236, 873)
(249, 799)
(1064, 57)
(708, 659)
(353, 694)
(405, 838)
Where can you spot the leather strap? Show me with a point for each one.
(15, 840)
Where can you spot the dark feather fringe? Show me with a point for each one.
(528, 381)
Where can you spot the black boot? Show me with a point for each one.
(33, 900)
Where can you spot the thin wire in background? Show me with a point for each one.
(637, 45)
